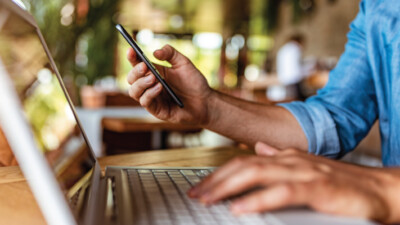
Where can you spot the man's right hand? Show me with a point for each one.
(243, 121)
(183, 77)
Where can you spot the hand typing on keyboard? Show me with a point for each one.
(162, 193)
(295, 178)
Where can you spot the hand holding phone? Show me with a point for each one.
(141, 55)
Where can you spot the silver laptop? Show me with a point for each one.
(55, 156)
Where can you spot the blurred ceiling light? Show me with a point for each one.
(81, 60)
(238, 41)
(252, 72)
(210, 41)
(145, 37)
(176, 21)
(233, 46)
(66, 21)
(231, 51)
(45, 76)
(67, 10)
(67, 13)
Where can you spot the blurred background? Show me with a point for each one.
(232, 42)
(243, 48)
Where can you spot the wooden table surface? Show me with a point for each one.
(17, 204)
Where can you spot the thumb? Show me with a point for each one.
(171, 55)
(265, 150)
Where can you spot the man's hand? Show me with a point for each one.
(232, 117)
(295, 178)
(183, 77)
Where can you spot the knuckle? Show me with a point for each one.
(143, 83)
(324, 168)
(292, 159)
(131, 92)
(134, 92)
(185, 60)
(292, 151)
(224, 185)
(322, 181)
(314, 175)
(256, 167)
(144, 101)
(288, 191)
(240, 159)
(131, 77)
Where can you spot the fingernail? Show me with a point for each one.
(148, 79)
(158, 87)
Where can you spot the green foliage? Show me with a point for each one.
(97, 29)
(271, 14)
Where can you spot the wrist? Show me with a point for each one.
(212, 112)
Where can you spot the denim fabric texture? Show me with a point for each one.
(364, 87)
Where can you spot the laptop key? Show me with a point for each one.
(164, 196)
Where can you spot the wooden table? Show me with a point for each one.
(127, 135)
(17, 204)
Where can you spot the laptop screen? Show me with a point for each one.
(46, 107)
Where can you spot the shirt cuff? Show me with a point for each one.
(318, 126)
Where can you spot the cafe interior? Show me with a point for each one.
(234, 44)
(243, 48)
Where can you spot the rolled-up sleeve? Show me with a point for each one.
(318, 126)
(341, 114)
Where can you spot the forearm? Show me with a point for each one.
(249, 122)
(388, 181)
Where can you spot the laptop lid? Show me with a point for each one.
(38, 117)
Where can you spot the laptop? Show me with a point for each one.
(42, 128)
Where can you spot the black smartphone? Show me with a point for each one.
(141, 55)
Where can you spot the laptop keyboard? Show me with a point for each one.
(161, 196)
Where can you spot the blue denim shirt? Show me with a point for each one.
(364, 87)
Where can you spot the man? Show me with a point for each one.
(289, 67)
(362, 88)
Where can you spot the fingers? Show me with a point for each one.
(250, 176)
(131, 55)
(167, 53)
(265, 150)
(139, 87)
(150, 94)
(276, 197)
(230, 168)
(171, 55)
(232, 185)
(242, 174)
(143, 88)
(137, 72)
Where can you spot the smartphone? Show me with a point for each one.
(141, 55)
